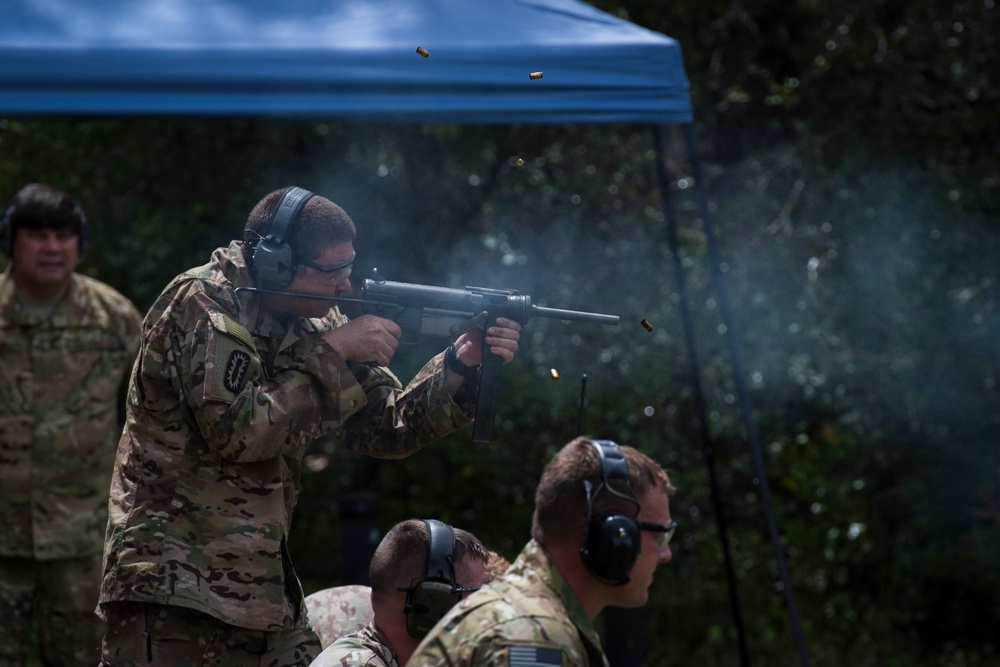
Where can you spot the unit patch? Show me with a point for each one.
(231, 361)
(236, 370)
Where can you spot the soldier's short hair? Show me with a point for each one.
(401, 558)
(321, 224)
(560, 498)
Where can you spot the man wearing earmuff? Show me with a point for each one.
(67, 343)
(600, 529)
(229, 389)
(420, 569)
(342, 610)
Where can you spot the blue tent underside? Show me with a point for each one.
(345, 59)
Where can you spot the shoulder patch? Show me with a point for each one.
(236, 370)
(534, 656)
(231, 359)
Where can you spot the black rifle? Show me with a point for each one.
(441, 311)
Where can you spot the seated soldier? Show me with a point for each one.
(601, 528)
(418, 572)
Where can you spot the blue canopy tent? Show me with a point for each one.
(359, 60)
(351, 59)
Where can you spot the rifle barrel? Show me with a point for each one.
(298, 295)
(577, 315)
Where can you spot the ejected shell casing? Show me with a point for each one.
(535, 75)
(554, 373)
(645, 323)
(422, 51)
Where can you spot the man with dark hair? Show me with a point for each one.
(67, 342)
(230, 388)
(404, 612)
(600, 529)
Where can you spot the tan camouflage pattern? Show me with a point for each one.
(60, 383)
(223, 402)
(337, 611)
(367, 647)
(530, 606)
(147, 635)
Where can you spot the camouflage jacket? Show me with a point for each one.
(337, 611)
(530, 616)
(223, 402)
(367, 647)
(60, 388)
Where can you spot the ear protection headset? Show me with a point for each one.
(430, 599)
(611, 540)
(7, 228)
(273, 260)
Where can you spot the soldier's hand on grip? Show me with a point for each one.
(366, 339)
(501, 339)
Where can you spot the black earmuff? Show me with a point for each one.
(431, 599)
(611, 540)
(273, 260)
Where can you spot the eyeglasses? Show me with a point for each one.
(455, 588)
(666, 532)
(343, 267)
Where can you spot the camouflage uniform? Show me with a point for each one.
(530, 616)
(223, 402)
(145, 634)
(337, 611)
(367, 647)
(60, 384)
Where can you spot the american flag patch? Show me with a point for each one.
(534, 656)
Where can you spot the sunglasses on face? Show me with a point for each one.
(666, 532)
(340, 271)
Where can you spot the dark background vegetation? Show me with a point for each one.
(851, 153)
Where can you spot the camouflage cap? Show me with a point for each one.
(336, 611)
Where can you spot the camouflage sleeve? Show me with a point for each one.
(489, 630)
(131, 323)
(367, 647)
(494, 652)
(398, 421)
(536, 654)
(211, 362)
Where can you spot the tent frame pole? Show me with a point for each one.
(694, 375)
(746, 409)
